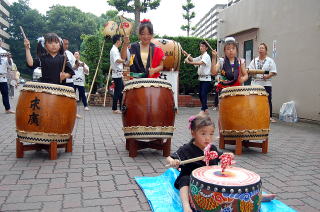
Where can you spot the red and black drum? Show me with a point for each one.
(234, 190)
(148, 109)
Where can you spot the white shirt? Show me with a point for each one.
(3, 66)
(267, 64)
(117, 68)
(204, 70)
(72, 60)
(79, 75)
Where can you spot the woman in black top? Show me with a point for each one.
(50, 59)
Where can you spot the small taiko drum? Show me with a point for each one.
(234, 190)
(45, 113)
(125, 28)
(244, 113)
(110, 28)
(148, 109)
(172, 51)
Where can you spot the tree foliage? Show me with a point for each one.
(70, 23)
(188, 15)
(134, 6)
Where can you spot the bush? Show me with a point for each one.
(92, 44)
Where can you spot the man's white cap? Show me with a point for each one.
(229, 40)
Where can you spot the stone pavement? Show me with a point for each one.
(98, 175)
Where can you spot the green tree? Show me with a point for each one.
(71, 23)
(33, 23)
(188, 15)
(134, 6)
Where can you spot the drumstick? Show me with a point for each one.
(64, 64)
(208, 44)
(23, 34)
(257, 71)
(189, 161)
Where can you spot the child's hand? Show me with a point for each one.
(26, 43)
(174, 163)
(64, 75)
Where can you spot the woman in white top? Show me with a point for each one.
(80, 70)
(267, 64)
(204, 71)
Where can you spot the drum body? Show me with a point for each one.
(172, 51)
(236, 190)
(110, 28)
(45, 113)
(244, 113)
(148, 109)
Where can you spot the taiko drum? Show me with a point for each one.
(234, 190)
(148, 109)
(244, 113)
(45, 113)
(172, 51)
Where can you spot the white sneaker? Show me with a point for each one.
(86, 108)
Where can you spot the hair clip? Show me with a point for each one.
(145, 21)
(41, 39)
(191, 120)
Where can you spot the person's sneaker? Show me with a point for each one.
(10, 112)
(273, 120)
(116, 111)
(86, 108)
(78, 116)
(215, 108)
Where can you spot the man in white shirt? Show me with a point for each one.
(71, 59)
(116, 64)
(4, 65)
(204, 71)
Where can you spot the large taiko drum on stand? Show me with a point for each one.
(45, 113)
(234, 190)
(244, 113)
(172, 51)
(148, 109)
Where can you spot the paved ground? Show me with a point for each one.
(98, 175)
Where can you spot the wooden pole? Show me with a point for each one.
(95, 74)
(105, 93)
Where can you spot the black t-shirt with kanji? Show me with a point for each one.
(188, 151)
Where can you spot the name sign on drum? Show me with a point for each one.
(34, 117)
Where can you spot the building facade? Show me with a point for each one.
(291, 30)
(4, 24)
(207, 26)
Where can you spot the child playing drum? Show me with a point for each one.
(232, 69)
(55, 66)
(202, 130)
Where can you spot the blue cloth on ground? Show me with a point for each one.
(162, 196)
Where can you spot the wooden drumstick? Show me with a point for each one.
(189, 160)
(208, 44)
(257, 71)
(22, 31)
(23, 34)
(64, 64)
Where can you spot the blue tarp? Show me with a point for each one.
(164, 197)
